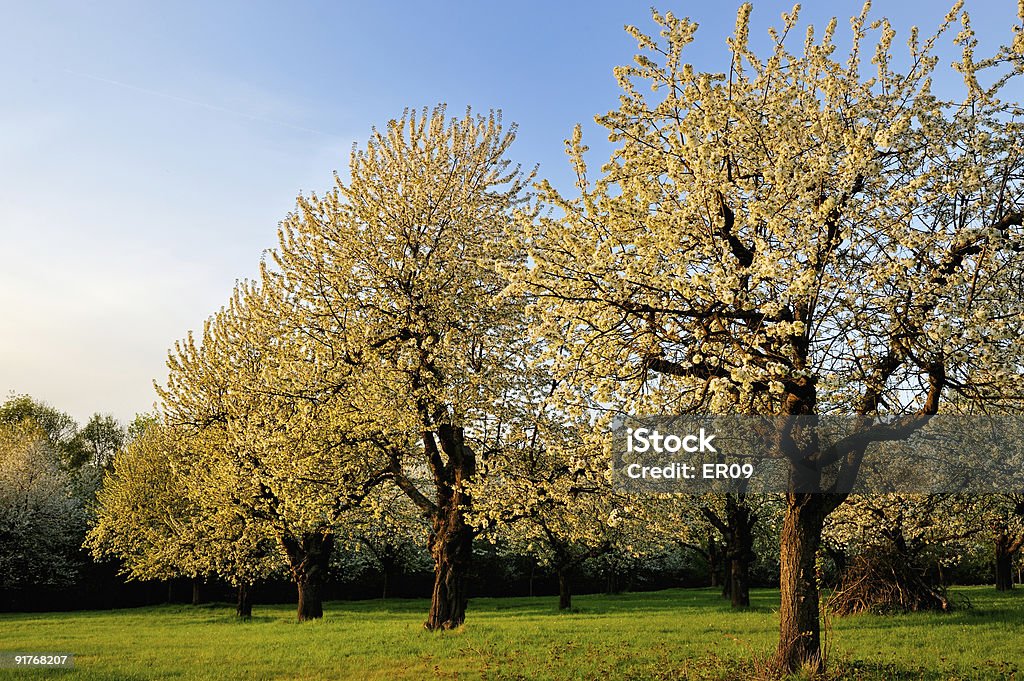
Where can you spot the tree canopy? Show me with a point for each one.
(797, 234)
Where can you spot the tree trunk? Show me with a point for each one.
(612, 582)
(196, 599)
(244, 607)
(739, 592)
(388, 567)
(308, 558)
(839, 559)
(739, 549)
(451, 538)
(533, 572)
(170, 591)
(1004, 563)
(564, 590)
(736, 526)
(451, 545)
(799, 626)
(714, 560)
(311, 603)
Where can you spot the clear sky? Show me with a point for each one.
(148, 150)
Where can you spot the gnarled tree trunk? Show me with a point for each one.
(451, 545)
(739, 579)
(799, 625)
(451, 538)
(1004, 572)
(308, 558)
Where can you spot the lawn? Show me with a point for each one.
(676, 634)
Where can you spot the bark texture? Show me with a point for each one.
(799, 625)
(451, 545)
(451, 538)
(308, 557)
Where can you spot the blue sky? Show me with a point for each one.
(148, 150)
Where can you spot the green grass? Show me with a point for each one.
(676, 634)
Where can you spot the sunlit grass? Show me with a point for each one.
(677, 634)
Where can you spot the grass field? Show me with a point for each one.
(677, 634)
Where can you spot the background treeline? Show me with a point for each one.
(52, 469)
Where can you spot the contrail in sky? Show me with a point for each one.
(211, 107)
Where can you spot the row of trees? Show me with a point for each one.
(797, 235)
(46, 509)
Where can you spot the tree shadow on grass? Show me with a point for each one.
(76, 673)
(757, 668)
(707, 600)
(673, 600)
(858, 670)
(956, 618)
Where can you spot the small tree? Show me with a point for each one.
(41, 518)
(148, 517)
(1002, 516)
(102, 436)
(61, 428)
(555, 504)
(256, 441)
(385, 536)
